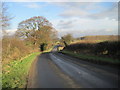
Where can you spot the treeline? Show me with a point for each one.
(107, 48)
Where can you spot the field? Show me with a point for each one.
(96, 39)
(14, 74)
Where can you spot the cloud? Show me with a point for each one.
(11, 31)
(73, 12)
(111, 13)
(74, 9)
(65, 24)
(93, 10)
(32, 5)
(86, 26)
(88, 19)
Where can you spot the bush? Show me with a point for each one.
(110, 49)
(80, 48)
(13, 49)
(107, 48)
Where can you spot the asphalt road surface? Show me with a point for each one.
(56, 70)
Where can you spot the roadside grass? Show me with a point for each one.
(92, 58)
(14, 74)
(48, 50)
(87, 41)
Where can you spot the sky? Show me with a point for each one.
(76, 18)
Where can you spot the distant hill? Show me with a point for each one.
(101, 37)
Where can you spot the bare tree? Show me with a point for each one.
(38, 30)
(4, 16)
(67, 39)
(25, 28)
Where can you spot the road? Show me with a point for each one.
(56, 70)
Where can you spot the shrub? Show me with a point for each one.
(106, 48)
(13, 49)
(111, 48)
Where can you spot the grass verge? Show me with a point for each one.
(15, 73)
(93, 58)
(48, 50)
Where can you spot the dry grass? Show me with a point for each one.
(13, 49)
(96, 39)
(86, 41)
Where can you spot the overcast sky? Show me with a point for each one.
(77, 18)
